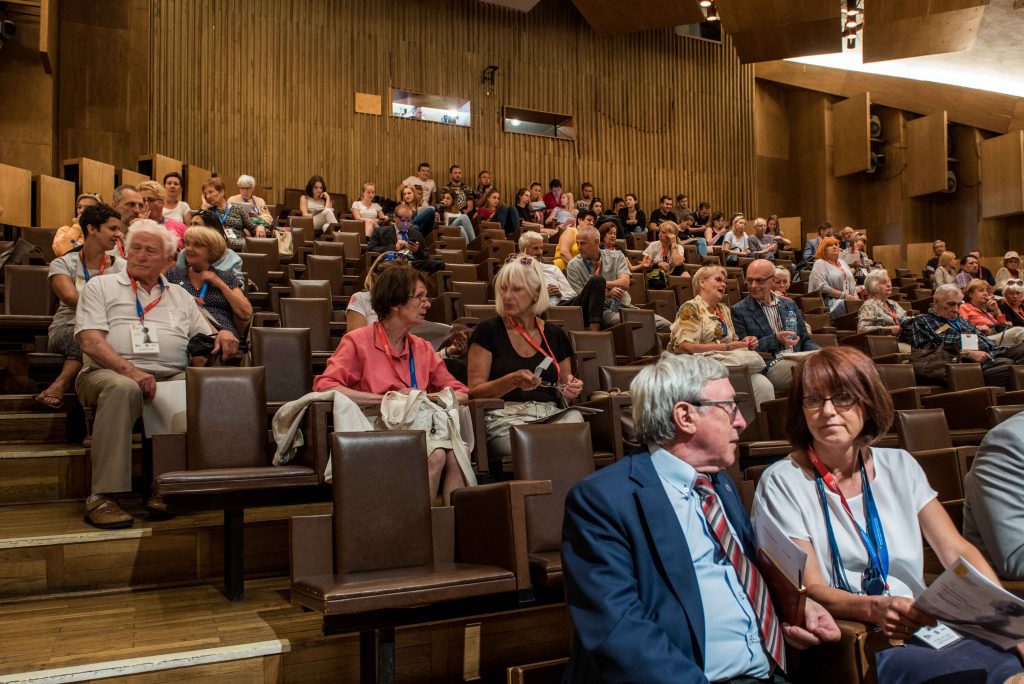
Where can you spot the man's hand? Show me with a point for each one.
(401, 245)
(146, 382)
(975, 355)
(616, 293)
(226, 343)
(751, 342)
(818, 627)
(787, 338)
(553, 291)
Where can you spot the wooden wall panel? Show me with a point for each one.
(1002, 175)
(26, 115)
(54, 201)
(16, 195)
(157, 165)
(91, 176)
(927, 153)
(851, 135)
(129, 177)
(654, 113)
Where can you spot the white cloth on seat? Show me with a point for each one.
(348, 417)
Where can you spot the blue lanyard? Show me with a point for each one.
(85, 269)
(223, 216)
(873, 581)
(412, 368)
(202, 291)
(138, 304)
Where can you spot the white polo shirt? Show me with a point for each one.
(108, 303)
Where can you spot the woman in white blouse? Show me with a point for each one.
(174, 207)
(859, 513)
(366, 210)
(316, 202)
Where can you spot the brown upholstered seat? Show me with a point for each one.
(285, 353)
(562, 454)
(966, 411)
(997, 414)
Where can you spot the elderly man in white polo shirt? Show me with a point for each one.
(133, 328)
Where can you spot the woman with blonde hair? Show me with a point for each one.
(422, 217)
(945, 273)
(734, 244)
(520, 358)
(69, 237)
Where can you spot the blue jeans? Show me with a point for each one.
(424, 220)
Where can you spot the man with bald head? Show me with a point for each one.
(775, 321)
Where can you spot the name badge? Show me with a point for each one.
(938, 636)
(968, 342)
(144, 339)
(230, 233)
(942, 328)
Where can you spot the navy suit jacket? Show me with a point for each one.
(629, 577)
(749, 319)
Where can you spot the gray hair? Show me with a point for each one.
(119, 192)
(529, 236)
(781, 272)
(150, 226)
(663, 384)
(1016, 289)
(873, 280)
(588, 232)
(944, 289)
(245, 181)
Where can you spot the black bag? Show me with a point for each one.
(656, 279)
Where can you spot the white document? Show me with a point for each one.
(786, 555)
(969, 602)
(165, 412)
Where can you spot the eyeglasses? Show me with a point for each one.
(420, 298)
(391, 256)
(759, 281)
(728, 405)
(151, 200)
(839, 401)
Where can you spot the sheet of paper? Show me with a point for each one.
(789, 557)
(165, 412)
(970, 603)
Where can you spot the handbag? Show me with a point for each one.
(284, 242)
(747, 358)
(656, 279)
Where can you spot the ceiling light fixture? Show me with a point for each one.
(713, 14)
(706, 3)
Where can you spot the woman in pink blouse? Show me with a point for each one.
(385, 357)
(981, 310)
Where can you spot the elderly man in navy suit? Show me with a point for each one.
(657, 548)
(775, 321)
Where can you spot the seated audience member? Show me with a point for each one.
(734, 244)
(237, 224)
(586, 197)
(491, 209)
(704, 325)
(665, 254)
(560, 292)
(460, 191)
(775, 321)
(761, 245)
(423, 184)
(715, 230)
(938, 247)
(857, 258)
(484, 184)
(553, 198)
(69, 237)
(133, 330)
(811, 248)
(832, 278)
(981, 310)
(782, 281)
(602, 216)
(153, 198)
(609, 240)
(506, 350)
(880, 315)
(1011, 304)
(256, 206)
(403, 237)
(316, 202)
(453, 216)
(969, 270)
(993, 505)
(935, 339)
(523, 207)
(68, 275)
(689, 236)
(219, 294)
(946, 270)
(567, 247)
(562, 215)
(983, 272)
(846, 238)
(632, 217)
(776, 231)
(366, 210)
(174, 206)
(868, 568)
(1010, 270)
(657, 548)
(663, 213)
(386, 356)
(422, 217)
(537, 205)
(229, 261)
(702, 216)
(127, 201)
(682, 208)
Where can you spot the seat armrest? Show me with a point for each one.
(965, 409)
(170, 454)
(477, 408)
(442, 522)
(908, 398)
(490, 526)
(311, 546)
(266, 319)
(316, 430)
(606, 427)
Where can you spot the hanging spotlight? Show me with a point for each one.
(706, 3)
(713, 14)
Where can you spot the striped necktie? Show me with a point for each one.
(750, 578)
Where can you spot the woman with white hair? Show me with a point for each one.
(1013, 297)
(880, 315)
(255, 206)
(517, 357)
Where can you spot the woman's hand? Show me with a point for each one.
(210, 277)
(261, 231)
(898, 618)
(664, 266)
(750, 341)
(736, 344)
(646, 261)
(324, 196)
(226, 343)
(457, 343)
(572, 389)
(523, 379)
(895, 329)
(851, 298)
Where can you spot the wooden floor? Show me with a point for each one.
(195, 634)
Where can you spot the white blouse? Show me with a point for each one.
(788, 495)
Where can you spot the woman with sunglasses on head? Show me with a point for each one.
(385, 357)
(1011, 304)
(981, 310)
(859, 513)
(1010, 270)
(517, 357)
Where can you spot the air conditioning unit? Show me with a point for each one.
(876, 126)
(950, 182)
(877, 162)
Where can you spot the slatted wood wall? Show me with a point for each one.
(267, 87)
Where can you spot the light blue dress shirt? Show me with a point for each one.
(732, 642)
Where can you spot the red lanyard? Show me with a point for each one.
(120, 248)
(391, 359)
(548, 353)
(138, 305)
(600, 263)
(830, 481)
(892, 312)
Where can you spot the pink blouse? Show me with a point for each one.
(978, 317)
(362, 363)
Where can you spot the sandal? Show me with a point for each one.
(50, 401)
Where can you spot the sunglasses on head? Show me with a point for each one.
(391, 256)
(521, 258)
(1015, 282)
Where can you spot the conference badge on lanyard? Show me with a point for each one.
(144, 336)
